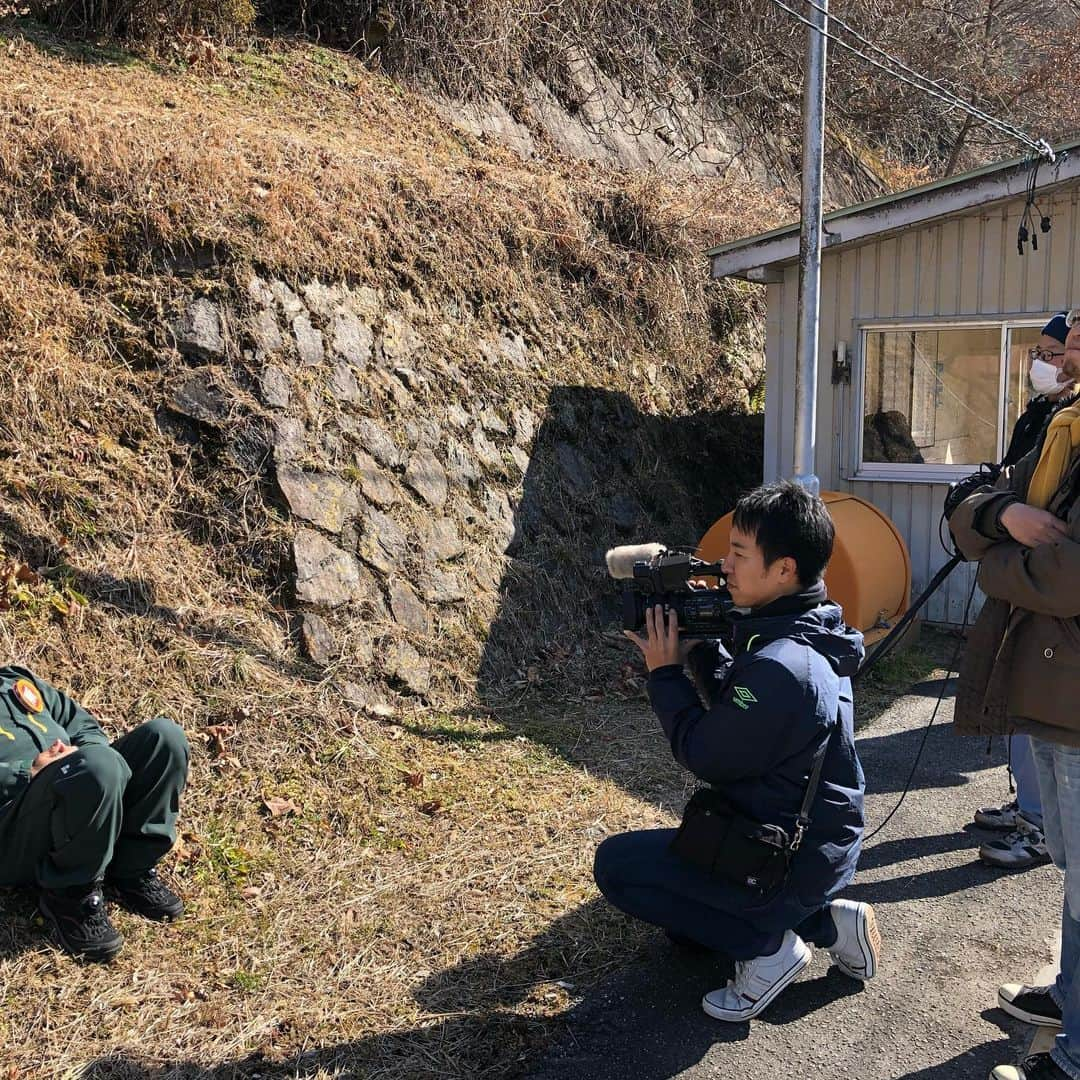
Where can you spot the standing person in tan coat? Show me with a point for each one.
(1021, 674)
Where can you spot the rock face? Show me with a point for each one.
(405, 664)
(309, 342)
(288, 439)
(406, 607)
(443, 542)
(323, 500)
(374, 484)
(325, 574)
(427, 478)
(266, 333)
(399, 341)
(319, 642)
(377, 443)
(274, 387)
(443, 587)
(487, 453)
(383, 543)
(343, 385)
(460, 464)
(200, 398)
(428, 505)
(198, 331)
(351, 339)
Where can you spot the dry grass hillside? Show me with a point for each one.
(262, 306)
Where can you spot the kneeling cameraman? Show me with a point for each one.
(777, 747)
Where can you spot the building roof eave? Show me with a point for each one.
(759, 258)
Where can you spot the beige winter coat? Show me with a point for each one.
(1021, 667)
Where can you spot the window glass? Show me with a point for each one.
(1021, 340)
(932, 396)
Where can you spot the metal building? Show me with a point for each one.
(927, 313)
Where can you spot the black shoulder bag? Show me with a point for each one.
(733, 847)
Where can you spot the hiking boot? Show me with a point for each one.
(1021, 849)
(1032, 1004)
(999, 818)
(759, 981)
(1035, 1067)
(147, 895)
(80, 921)
(857, 949)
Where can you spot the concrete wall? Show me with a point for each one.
(960, 268)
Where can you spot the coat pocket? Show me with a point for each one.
(1044, 672)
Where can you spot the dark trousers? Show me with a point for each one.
(639, 875)
(113, 808)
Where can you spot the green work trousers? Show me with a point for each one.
(102, 809)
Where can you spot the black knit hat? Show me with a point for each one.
(1057, 328)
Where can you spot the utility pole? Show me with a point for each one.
(806, 361)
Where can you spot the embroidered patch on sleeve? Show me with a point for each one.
(742, 697)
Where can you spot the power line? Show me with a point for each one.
(1037, 146)
(930, 83)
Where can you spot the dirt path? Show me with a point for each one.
(953, 931)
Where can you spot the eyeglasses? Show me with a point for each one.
(1047, 356)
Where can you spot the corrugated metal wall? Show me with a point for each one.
(967, 266)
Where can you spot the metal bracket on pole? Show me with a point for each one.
(806, 361)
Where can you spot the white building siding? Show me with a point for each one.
(962, 267)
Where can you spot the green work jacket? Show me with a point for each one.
(24, 734)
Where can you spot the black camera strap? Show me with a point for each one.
(803, 821)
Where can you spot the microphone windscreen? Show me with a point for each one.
(620, 560)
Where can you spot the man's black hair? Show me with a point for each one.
(786, 520)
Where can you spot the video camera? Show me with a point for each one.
(652, 574)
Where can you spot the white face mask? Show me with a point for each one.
(1044, 377)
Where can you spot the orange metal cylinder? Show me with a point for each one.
(869, 574)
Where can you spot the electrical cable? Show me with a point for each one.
(1038, 147)
(933, 716)
(892, 640)
(931, 83)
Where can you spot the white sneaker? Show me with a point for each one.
(1024, 847)
(757, 982)
(857, 950)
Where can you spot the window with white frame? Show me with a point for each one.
(940, 399)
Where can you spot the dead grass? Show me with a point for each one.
(424, 891)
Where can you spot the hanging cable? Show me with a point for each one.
(933, 716)
(1039, 147)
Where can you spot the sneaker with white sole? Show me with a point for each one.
(857, 949)
(1021, 849)
(758, 982)
(1033, 1067)
(999, 818)
(1032, 1004)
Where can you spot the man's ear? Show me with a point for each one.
(789, 569)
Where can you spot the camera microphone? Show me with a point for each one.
(620, 560)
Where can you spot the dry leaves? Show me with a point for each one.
(278, 807)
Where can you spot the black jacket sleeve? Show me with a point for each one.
(743, 734)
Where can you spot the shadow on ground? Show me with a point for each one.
(476, 998)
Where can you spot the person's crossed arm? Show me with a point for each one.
(1038, 569)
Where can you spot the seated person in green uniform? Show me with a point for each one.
(77, 812)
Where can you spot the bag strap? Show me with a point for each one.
(803, 822)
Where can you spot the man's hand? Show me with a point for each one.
(49, 755)
(661, 645)
(1030, 526)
